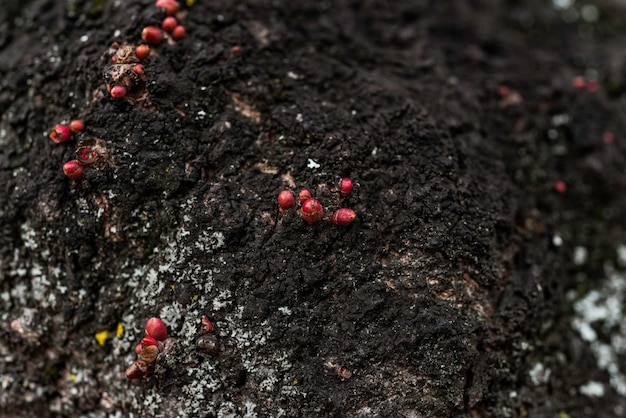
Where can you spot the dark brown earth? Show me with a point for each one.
(454, 292)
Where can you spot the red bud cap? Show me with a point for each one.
(343, 217)
(77, 125)
(345, 187)
(156, 329)
(312, 211)
(178, 33)
(169, 23)
(118, 92)
(148, 341)
(559, 186)
(152, 35)
(207, 325)
(142, 51)
(138, 69)
(304, 195)
(73, 170)
(579, 82)
(286, 199)
(60, 133)
(171, 6)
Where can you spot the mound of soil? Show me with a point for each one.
(454, 293)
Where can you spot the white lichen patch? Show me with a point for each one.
(539, 374)
(592, 389)
(171, 314)
(600, 311)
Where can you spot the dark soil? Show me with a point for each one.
(446, 297)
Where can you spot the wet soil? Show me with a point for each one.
(447, 295)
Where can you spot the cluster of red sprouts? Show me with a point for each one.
(312, 211)
(148, 350)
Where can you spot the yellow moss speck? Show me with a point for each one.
(102, 337)
(120, 330)
(191, 2)
(195, 298)
(73, 377)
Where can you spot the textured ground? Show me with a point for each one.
(467, 286)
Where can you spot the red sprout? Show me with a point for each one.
(60, 133)
(343, 217)
(312, 211)
(73, 170)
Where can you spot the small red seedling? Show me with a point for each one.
(169, 23)
(142, 51)
(178, 33)
(343, 217)
(579, 82)
(312, 211)
(608, 138)
(118, 92)
(73, 170)
(138, 69)
(559, 187)
(148, 341)
(345, 187)
(286, 200)
(60, 133)
(77, 125)
(171, 6)
(86, 155)
(207, 325)
(156, 329)
(304, 195)
(152, 35)
(593, 86)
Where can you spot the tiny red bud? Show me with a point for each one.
(169, 23)
(77, 125)
(118, 92)
(503, 90)
(343, 217)
(207, 325)
(560, 186)
(579, 82)
(156, 329)
(86, 155)
(152, 35)
(286, 200)
(345, 187)
(593, 86)
(148, 341)
(60, 133)
(304, 195)
(178, 33)
(73, 170)
(138, 69)
(142, 51)
(171, 6)
(236, 49)
(608, 138)
(312, 211)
